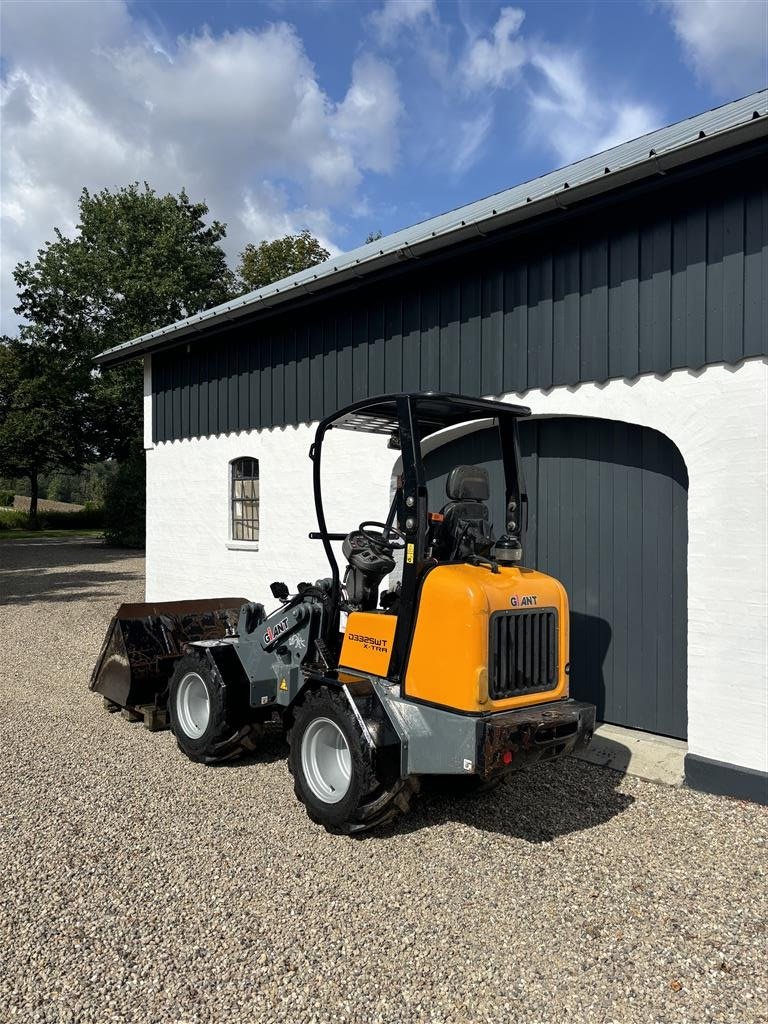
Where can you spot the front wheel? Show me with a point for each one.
(211, 723)
(334, 771)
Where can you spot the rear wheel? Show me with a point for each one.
(333, 768)
(326, 760)
(211, 722)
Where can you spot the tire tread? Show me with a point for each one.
(381, 803)
(241, 737)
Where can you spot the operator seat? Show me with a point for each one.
(466, 528)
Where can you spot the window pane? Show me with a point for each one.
(245, 469)
(245, 499)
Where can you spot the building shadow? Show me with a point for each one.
(59, 587)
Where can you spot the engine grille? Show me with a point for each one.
(523, 653)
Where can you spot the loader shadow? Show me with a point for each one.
(536, 805)
(272, 747)
(590, 641)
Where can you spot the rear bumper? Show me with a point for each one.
(516, 739)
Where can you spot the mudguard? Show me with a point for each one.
(223, 655)
(374, 721)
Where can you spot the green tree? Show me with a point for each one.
(137, 262)
(59, 487)
(40, 410)
(373, 236)
(95, 480)
(266, 262)
(125, 503)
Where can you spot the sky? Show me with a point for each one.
(343, 117)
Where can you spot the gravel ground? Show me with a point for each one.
(137, 886)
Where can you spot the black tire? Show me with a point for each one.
(229, 732)
(369, 801)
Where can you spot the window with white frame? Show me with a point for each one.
(244, 489)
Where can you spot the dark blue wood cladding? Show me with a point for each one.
(607, 517)
(674, 277)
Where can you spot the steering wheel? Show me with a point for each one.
(383, 534)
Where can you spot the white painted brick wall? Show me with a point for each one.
(717, 417)
(188, 525)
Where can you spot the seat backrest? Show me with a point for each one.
(466, 527)
(468, 483)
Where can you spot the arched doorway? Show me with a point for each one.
(608, 517)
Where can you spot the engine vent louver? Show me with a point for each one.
(522, 653)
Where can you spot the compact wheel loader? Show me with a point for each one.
(459, 668)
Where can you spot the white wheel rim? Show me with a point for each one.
(193, 707)
(326, 760)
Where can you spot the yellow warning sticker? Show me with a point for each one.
(409, 554)
(283, 684)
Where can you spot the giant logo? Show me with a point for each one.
(274, 631)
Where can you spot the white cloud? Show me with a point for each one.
(472, 136)
(91, 98)
(725, 41)
(567, 113)
(395, 15)
(267, 213)
(575, 118)
(412, 31)
(494, 62)
(367, 119)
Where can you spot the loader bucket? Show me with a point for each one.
(143, 642)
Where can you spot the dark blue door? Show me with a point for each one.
(608, 517)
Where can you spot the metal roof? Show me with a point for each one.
(660, 151)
